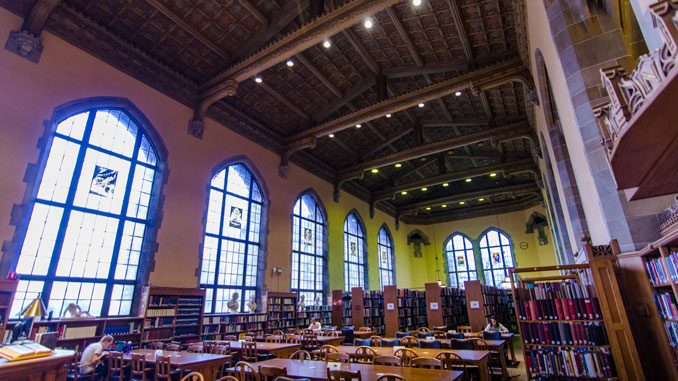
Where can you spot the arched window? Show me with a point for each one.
(355, 267)
(308, 250)
(461, 264)
(386, 260)
(92, 215)
(230, 257)
(497, 256)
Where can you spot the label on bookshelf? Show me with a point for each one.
(474, 304)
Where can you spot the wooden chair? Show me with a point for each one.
(116, 366)
(244, 371)
(464, 328)
(193, 376)
(364, 355)
(172, 347)
(300, 355)
(163, 369)
(249, 351)
(406, 355)
(343, 375)
(228, 378)
(427, 363)
(330, 333)
(278, 332)
(157, 345)
(74, 372)
(274, 339)
(230, 338)
(452, 361)
(423, 330)
(293, 339)
(325, 350)
(224, 351)
(249, 338)
(495, 362)
(375, 340)
(270, 373)
(365, 329)
(387, 360)
(338, 357)
(139, 371)
(409, 342)
(309, 342)
(390, 377)
(197, 348)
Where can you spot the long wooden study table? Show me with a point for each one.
(204, 363)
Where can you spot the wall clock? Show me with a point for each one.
(523, 245)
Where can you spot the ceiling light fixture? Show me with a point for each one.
(421, 105)
(258, 79)
(446, 184)
(458, 93)
(358, 125)
(424, 189)
(428, 208)
(403, 193)
(398, 165)
(290, 63)
(443, 205)
(388, 115)
(416, 3)
(462, 202)
(375, 170)
(331, 135)
(368, 23)
(493, 174)
(327, 44)
(468, 180)
(481, 199)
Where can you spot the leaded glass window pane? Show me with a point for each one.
(308, 250)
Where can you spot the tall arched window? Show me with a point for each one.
(355, 263)
(92, 215)
(461, 264)
(308, 250)
(386, 260)
(230, 257)
(497, 256)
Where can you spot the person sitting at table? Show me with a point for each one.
(495, 326)
(91, 356)
(315, 325)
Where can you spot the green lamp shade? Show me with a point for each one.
(36, 308)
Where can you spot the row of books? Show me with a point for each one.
(160, 312)
(280, 315)
(417, 294)
(657, 272)
(570, 362)
(278, 307)
(408, 302)
(373, 294)
(120, 329)
(566, 333)
(557, 301)
(159, 322)
(671, 328)
(672, 264)
(666, 304)
(159, 334)
(233, 328)
(451, 291)
(66, 333)
(192, 300)
(187, 320)
(287, 301)
(188, 310)
(158, 300)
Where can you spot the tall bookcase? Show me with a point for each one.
(281, 308)
(76, 334)
(217, 326)
(373, 311)
(576, 320)
(7, 290)
(347, 309)
(322, 313)
(485, 301)
(338, 309)
(172, 314)
(446, 306)
(411, 306)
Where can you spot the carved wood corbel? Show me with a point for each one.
(25, 42)
(227, 88)
(309, 142)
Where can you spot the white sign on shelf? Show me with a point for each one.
(390, 306)
(475, 304)
(434, 306)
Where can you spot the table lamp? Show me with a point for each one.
(36, 308)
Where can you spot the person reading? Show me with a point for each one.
(93, 354)
(315, 325)
(495, 326)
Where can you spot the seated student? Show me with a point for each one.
(92, 354)
(315, 325)
(495, 326)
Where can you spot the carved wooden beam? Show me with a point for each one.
(227, 88)
(508, 132)
(507, 168)
(310, 142)
(389, 140)
(516, 190)
(400, 28)
(486, 208)
(461, 29)
(362, 51)
(198, 35)
(26, 41)
(282, 99)
(252, 10)
(350, 94)
(502, 72)
(468, 122)
(326, 81)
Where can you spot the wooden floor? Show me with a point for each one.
(519, 373)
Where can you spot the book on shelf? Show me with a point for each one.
(557, 301)
(672, 265)
(666, 304)
(671, 328)
(564, 333)
(656, 270)
(579, 362)
(67, 333)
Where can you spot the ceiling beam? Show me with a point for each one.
(347, 97)
(309, 65)
(518, 189)
(282, 99)
(486, 106)
(484, 77)
(252, 10)
(389, 140)
(36, 18)
(160, 7)
(362, 50)
(400, 28)
(467, 122)
(415, 169)
(461, 29)
(507, 168)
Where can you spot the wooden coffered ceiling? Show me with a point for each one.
(459, 58)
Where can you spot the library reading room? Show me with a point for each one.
(276, 190)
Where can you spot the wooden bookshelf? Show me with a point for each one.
(7, 291)
(347, 309)
(337, 309)
(446, 306)
(357, 305)
(217, 326)
(76, 334)
(391, 321)
(578, 316)
(491, 301)
(322, 313)
(373, 311)
(172, 314)
(411, 310)
(281, 309)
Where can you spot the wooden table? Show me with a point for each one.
(280, 350)
(508, 336)
(362, 335)
(203, 363)
(317, 370)
(322, 340)
(472, 357)
(53, 367)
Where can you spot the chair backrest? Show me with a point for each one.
(309, 342)
(325, 349)
(138, 366)
(491, 335)
(400, 335)
(362, 342)
(163, 368)
(278, 332)
(331, 333)
(249, 338)
(193, 376)
(292, 339)
(157, 345)
(348, 335)
(387, 360)
(338, 356)
(172, 347)
(461, 344)
(426, 362)
(230, 338)
(457, 335)
(115, 363)
(464, 328)
(244, 371)
(405, 355)
(452, 361)
(343, 375)
(374, 341)
(197, 348)
(228, 378)
(274, 339)
(423, 335)
(300, 355)
(364, 355)
(221, 350)
(365, 329)
(435, 344)
(423, 330)
(480, 344)
(270, 373)
(409, 342)
(388, 343)
(249, 350)
(390, 377)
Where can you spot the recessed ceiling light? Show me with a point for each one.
(290, 63)
(481, 199)
(403, 193)
(368, 23)
(388, 115)
(468, 180)
(458, 93)
(450, 152)
(424, 189)
(331, 135)
(461, 203)
(416, 3)
(493, 174)
(446, 184)
(481, 144)
(421, 105)
(444, 205)
(327, 44)
(258, 79)
(422, 159)
(398, 165)
(375, 170)
(428, 208)
(358, 125)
